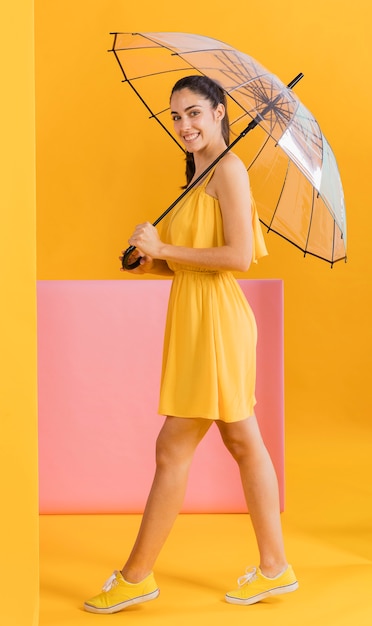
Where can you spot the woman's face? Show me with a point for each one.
(196, 123)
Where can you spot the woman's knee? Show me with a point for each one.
(242, 439)
(237, 448)
(165, 451)
(177, 442)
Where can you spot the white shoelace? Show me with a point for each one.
(249, 576)
(110, 582)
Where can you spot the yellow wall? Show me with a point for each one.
(99, 171)
(94, 148)
(18, 441)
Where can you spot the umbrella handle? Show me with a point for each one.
(124, 261)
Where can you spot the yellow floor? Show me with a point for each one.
(328, 532)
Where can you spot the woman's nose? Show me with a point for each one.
(184, 123)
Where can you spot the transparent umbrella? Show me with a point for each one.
(293, 172)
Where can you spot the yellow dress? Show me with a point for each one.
(209, 357)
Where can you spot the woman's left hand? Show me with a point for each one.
(146, 239)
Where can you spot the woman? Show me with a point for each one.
(209, 365)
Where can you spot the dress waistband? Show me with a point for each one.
(198, 270)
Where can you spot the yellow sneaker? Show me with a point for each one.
(117, 594)
(254, 586)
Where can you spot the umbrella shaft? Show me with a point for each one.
(252, 124)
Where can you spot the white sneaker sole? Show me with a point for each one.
(122, 605)
(276, 591)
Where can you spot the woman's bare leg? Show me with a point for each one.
(260, 485)
(175, 449)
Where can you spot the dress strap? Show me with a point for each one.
(207, 177)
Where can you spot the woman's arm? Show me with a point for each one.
(230, 184)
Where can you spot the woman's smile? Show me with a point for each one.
(190, 137)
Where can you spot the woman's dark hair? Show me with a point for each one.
(212, 91)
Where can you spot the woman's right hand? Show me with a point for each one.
(146, 263)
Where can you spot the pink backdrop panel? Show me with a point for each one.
(100, 349)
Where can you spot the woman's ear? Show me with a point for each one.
(220, 111)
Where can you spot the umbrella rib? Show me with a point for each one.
(118, 60)
(163, 72)
(156, 44)
(239, 117)
(259, 153)
(185, 52)
(141, 76)
(333, 241)
(310, 222)
(228, 67)
(153, 115)
(280, 197)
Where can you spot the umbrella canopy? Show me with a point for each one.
(293, 171)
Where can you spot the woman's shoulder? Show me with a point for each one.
(231, 164)
(230, 177)
(230, 169)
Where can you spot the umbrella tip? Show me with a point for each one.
(296, 79)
